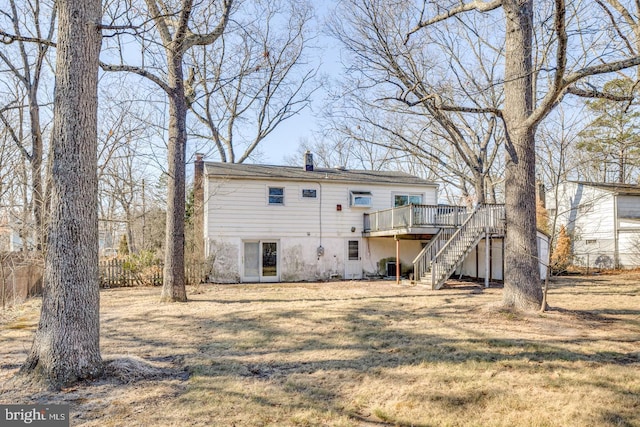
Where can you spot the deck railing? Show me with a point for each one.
(409, 216)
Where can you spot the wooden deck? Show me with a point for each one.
(417, 220)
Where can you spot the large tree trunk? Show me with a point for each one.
(173, 288)
(479, 187)
(66, 346)
(522, 289)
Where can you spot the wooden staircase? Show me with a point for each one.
(448, 249)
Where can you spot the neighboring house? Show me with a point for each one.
(603, 221)
(265, 223)
(10, 240)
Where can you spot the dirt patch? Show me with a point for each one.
(350, 354)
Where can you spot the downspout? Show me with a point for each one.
(319, 249)
(319, 214)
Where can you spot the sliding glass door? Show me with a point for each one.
(260, 259)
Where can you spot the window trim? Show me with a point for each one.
(280, 196)
(313, 191)
(358, 194)
(408, 195)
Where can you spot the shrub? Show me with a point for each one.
(561, 255)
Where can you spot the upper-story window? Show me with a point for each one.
(361, 199)
(276, 196)
(309, 193)
(406, 199)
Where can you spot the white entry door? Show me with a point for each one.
(260, 259)
(353, 260)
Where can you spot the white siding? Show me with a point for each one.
(237, 210)
(588, 215)
(240, 208)
(629, 248)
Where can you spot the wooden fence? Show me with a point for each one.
(20, 278)
(120, 273)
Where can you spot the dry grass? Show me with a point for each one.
(354, 354)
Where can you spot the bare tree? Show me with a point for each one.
(125, 160)
(121, 185)
(334, 150)
(66, 346)
(10, 159)
(15, 200)
(462, 159)
(457, 144)
(170, 30)
(533, 83)
(256, 78)
(557, 163)
(33, 20)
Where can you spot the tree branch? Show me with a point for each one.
(554, 96)
(594, 93)
(436, 100)
(477, 5)
(7, 38)
(207, 39)
(627, 18)
(160, 21)
(139, 71)
(12, 133)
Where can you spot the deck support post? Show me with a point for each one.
(487, 259)
(397, 259)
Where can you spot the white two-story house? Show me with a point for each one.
(603, 221)
(265, 223)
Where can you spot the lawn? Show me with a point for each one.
(353, 354)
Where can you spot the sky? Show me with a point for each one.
(285, 139)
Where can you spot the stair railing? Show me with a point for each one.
(484, 218)
(422, 262)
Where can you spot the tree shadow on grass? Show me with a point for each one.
(371, 338)
(289, 348)
(601, 315)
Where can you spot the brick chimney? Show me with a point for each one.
(308, 161)
(198, 206)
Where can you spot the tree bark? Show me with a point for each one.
(522, 288)
(173, 287)
(479, 187)
(66, 347)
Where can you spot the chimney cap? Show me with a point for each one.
(199, 157)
